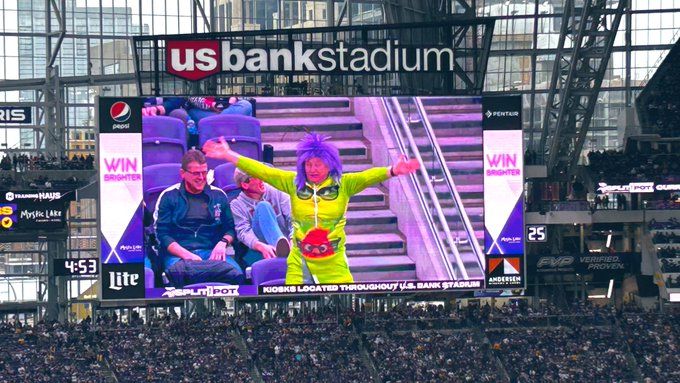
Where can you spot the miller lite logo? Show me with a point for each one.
(120, 111)
(193, 59)
(120, 279)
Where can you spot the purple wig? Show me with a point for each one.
(314, 145)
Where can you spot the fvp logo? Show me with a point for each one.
(120, 111)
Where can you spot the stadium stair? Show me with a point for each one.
(375, 248)
(633, 364)
(243, 349)
(457, 124)
(479, 335)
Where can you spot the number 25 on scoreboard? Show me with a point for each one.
(537, 233)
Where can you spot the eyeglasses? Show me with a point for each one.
(203, 173)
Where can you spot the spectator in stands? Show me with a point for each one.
(6, 163)
(320, 194)
(194, 226)
(262, 219)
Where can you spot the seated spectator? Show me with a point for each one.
(262, 220)
(194, 226)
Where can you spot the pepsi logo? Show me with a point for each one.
(120, 111)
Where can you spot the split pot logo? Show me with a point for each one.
(120, 111)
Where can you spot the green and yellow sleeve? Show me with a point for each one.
(283, 180)
(356, 182)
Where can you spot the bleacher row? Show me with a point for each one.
(469, 346)
(666, 240)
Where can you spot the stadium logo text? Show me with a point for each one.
(196, 59)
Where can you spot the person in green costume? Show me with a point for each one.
(319, 194)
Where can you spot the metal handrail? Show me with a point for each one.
(462, 213)
(402, 123)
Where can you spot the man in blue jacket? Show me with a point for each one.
(194, 226)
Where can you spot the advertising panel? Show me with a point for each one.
(176, 223)
(27, 212)
(503, 191)
(598, 264)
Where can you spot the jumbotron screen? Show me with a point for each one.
(262, 196)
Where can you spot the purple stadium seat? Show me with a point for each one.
(245, 146)
(158, 178)
(228, 125)
(173, 129)
(269, 270)
(224, 177)
(159, 152)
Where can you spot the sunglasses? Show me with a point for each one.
(329, 193)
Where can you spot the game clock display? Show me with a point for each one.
(74, 267)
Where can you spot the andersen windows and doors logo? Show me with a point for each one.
(197, 59)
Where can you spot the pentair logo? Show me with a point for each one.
(120, 111)
(488, 114)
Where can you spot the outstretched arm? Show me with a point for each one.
(356, 182)
(220, 150)
(280, 179)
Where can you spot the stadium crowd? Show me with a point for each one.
(49, 353)
(655, 342)
(562, 354)
(24, 163)
(514, 343)
(431, 356)
(617, 167)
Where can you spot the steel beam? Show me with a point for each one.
(577, 79)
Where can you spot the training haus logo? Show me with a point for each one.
(197, 59)
(503, 272)
(41, 196)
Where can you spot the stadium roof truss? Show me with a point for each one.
(585, 45)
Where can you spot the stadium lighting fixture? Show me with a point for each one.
(610, 289)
